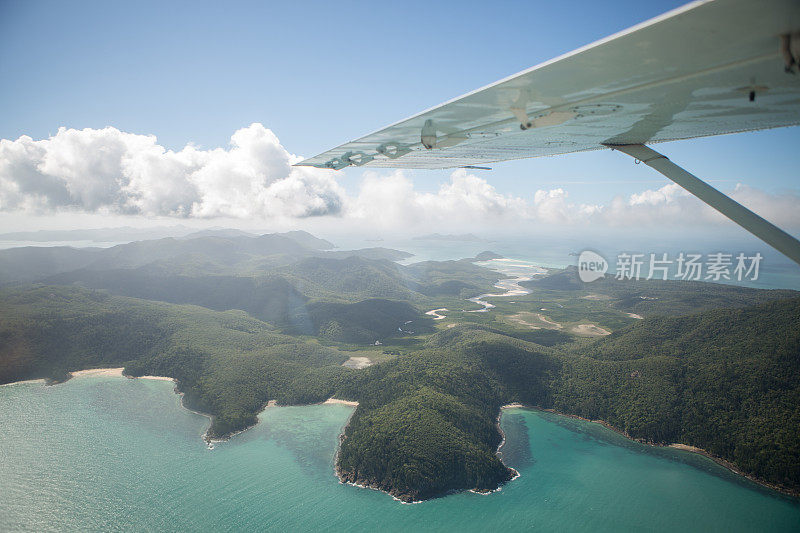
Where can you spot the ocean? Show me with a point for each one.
(103, 453)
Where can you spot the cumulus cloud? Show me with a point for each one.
(468, 200)
(391, 199)
(110, 171)
(113, 172)
(671, 205)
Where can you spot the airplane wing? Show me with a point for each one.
(708, 68)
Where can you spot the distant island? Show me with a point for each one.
(487, 256)
(240, 321)
(464, 237)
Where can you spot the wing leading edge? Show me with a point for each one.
(708, 68)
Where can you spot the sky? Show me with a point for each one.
(159, 112)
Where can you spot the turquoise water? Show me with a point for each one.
(103, 453)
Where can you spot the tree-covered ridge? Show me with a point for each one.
(365, 322)
(269, 298)
(205, 253)
(427, 421)
(425, 425)
(228, 364)
(353, 278)
(725, 379)
(273, 277)
(701, 380)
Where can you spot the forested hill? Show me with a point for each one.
(228, 364)
(711, 366)
(205, 253)
(726, 381)
(701, 380)
(270, 276)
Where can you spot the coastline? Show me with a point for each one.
(91, 372)
(112, 372)
(344, 478)
(25, 381)
(270, 403)
(498, 451)
(336, 401)
(675, 445)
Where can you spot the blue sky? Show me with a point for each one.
(320, 73)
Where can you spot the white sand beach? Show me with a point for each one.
(157, 378)
(330, 401)
(98, 372)
(115, 372)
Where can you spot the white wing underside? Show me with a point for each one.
(688, 73)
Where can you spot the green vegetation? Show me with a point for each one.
(711, 366)
(269, 298)
(725, 381)
(364, 322)
(228, 364)
(425, 425)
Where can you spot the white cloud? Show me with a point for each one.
(113, 172)
(553, 207)
(110, 171)
(671, 205)
(781, 209)
(390, 200)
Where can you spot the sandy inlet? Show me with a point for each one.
(116, 372)
(330, 401)
(518, 271)
(97, 372)
(435, 313)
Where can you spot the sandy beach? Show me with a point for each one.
(98, 372)
(115, 372)
(95, 372)
(157, 378)
(688, 448)
(330, 401)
